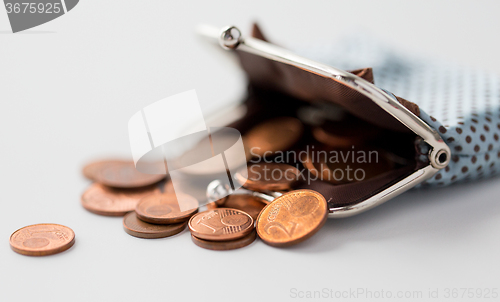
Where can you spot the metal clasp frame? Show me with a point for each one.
(230, 38)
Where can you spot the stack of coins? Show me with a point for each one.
(287, 220)
(117, 187)
(160, 215)
(151, 209)
(222, 229)
(147, 201)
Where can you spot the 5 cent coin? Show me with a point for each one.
(292, 218)
(42, 239)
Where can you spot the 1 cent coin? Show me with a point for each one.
(165, 208)
(225, 245)
(269, 177)
(292, 218)
(138, 228)
(123, 174)
(221, 224)
(42, 239)
(107, 201)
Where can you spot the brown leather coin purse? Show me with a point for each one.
(344, 117)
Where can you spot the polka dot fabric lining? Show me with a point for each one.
(462, 103)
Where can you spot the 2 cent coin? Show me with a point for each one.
(42, 239)
(292, 218)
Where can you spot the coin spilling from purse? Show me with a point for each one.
(270, 205)
(317, 142)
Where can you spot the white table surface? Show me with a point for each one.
(68, 88)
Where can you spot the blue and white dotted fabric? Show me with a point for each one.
(460, 102)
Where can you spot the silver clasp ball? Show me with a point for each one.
(230, 37)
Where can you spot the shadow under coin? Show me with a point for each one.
(448, 214)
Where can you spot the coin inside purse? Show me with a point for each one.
(348, 148)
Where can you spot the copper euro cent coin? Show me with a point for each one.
(107, 201)
(292, 218)
(221, 224)
(138, 228)
(90, 170)
(246, 203)
(42, 239)
(166, 208)
(269, 177)
(347, 133)
(278, 134)
(123, 174)
(340, 166)
(225, 245)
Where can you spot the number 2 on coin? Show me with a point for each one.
(281, 227)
